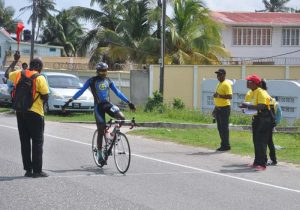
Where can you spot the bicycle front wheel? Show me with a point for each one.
(122, 154)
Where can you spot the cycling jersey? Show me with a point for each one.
(100, 89)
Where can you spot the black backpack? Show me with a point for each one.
(23, 94)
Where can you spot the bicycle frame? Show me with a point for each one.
(116, 130)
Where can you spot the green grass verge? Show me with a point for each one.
(4, 109)
(241, 141)
(171, 116)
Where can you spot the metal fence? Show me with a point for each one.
(261, 61)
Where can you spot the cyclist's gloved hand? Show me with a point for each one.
(131, 106)
(67, 103)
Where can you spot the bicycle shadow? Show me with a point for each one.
(86, 171)
(11, 178)
(237, 168)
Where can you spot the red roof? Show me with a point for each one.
(258, 18)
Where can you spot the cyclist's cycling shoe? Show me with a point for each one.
(100, 158)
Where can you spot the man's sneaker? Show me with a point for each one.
(28, 173)
(271, 163)
(39, 174)
(260, 168)
(221, 149)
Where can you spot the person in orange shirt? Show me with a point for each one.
(221, 112)
(31, 122)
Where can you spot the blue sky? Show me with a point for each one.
(217, 5)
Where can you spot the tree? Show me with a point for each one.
(131, 41)
(106, 17)
(6, 17)
(63, 30)
(43, 11)
(276, 5)
(122, 32)
(193, 37)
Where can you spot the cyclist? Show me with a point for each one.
(100, 85)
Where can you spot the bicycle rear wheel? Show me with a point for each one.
(95, 148)
(122, 154)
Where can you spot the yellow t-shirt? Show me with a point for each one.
(223, 88)
(249, 96)
(260, 96)
(41, 89)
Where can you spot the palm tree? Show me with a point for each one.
(63, 30)
(107, 17)
(6, 17)
(193, 37)
(43, 11)
(131, 40)
(276, 5)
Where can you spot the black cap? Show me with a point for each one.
(220, 71)
(36, 64)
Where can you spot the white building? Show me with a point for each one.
(8, 46)
(249, 36)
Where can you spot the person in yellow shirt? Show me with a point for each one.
(221, 112)
(31, 122)
(271, 146)
(261, 122)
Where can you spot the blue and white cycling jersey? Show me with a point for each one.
(100, 89)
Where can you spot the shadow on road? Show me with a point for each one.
(237, 168)
(11, 178)
(205, 153)
(86, 170)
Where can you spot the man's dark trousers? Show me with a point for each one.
(31, 127)
(222, 118)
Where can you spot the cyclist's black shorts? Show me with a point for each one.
(105, 107)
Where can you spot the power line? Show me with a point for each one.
(274, 56)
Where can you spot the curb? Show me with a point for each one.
(291, 130)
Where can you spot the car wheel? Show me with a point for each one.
(46, 108)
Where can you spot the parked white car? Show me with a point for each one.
(62, 87)
(5, 98)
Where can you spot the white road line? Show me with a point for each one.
(118, 174)
(181, 165)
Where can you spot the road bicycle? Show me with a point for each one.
(115, 143)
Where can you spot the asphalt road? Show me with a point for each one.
(162, 175)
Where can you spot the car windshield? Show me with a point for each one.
(63, 82)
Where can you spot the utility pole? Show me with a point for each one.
(162, 46)
(34, 17)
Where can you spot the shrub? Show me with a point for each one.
(154, 103)
(178, 104)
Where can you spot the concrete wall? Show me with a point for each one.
(139, 86)
(184, 82)
(286, 93)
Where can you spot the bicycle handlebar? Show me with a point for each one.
(122, 122)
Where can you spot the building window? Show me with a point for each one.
(290, 36)
(52, 49)
(249, 36)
